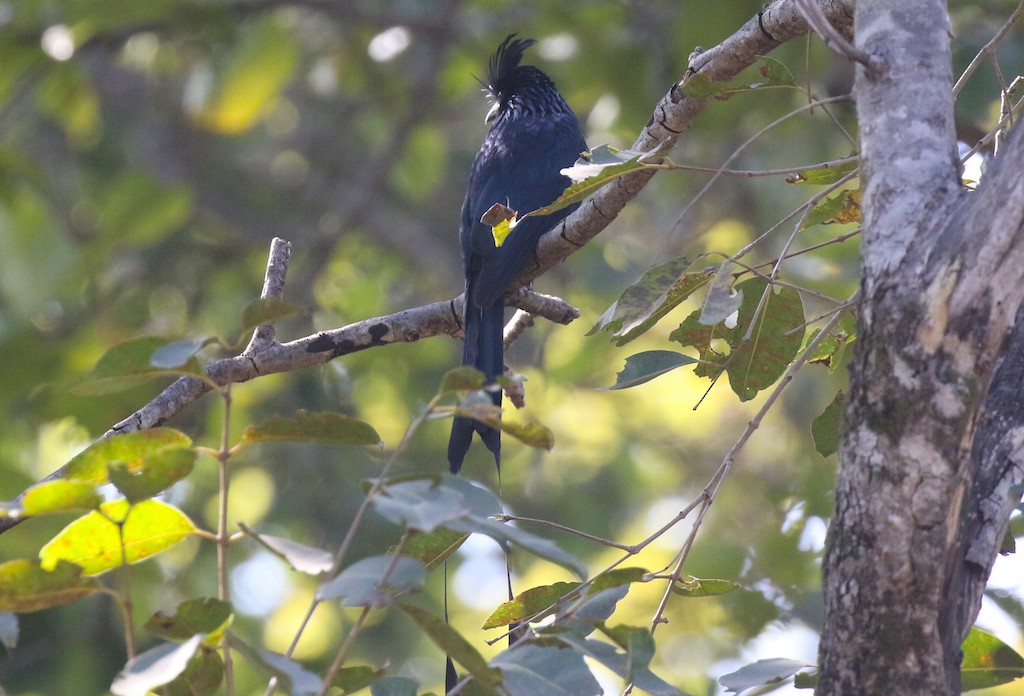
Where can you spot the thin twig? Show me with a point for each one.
(988, 50)
(719, 476)
(815, 17)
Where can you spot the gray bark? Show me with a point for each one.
(934, 421)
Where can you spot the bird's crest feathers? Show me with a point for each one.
(501, 70)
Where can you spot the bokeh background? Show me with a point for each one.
(149, 151)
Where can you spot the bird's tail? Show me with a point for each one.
(484, 350)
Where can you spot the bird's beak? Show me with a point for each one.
(492, 113)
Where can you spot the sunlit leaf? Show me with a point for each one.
(770, 671)
(154, 668)
(658, 291)
(363, 584)
(773, 73)
(130, 449)
(60, 495)
(302, 558)
(26, 586)
(334, 428)
(260, 66)
(479, 406)
(204, 615)
(452, 643)
(293, 678)
(830, 350)
(157, 473)
(528, 603)
(530, 669)
(463, 378)
(988, 661)
(502, 221)
(434, 548)
(838, 209)
(823, 176)
(93, 541)
(601, 165)
(704, 587)
(826, 427)
(645, 366)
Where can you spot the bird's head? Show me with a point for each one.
(515, 88)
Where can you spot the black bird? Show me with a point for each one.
(533, 135)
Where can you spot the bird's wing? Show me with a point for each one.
(525, 182)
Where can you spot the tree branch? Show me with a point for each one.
(776, 24)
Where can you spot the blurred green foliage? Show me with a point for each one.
(149, 151)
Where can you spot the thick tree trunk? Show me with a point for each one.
(934, 423)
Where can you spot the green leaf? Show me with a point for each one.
(60, 496)
(461, 379)
(353, 679)
(157, 473)
(131, 449)
(530, 669)
(26, 586)
(261, 65)
(202, 676)
(758, 363)
(823, 176)
(204, 615)
(127, 365)
(658, 291)
(838, 209)
(363, 584)
(479, 406)
(422, 504)
(502, 221)
(300, 557)
(722, 301)
(154, 668)
(621, 664)
(136, 211)
(645, 366)
(988, 661)
(178, 355)
(265, 310)
(528, 603)
(393, 685)
(584, 615)
(704, 587)
(93, 541)
(826, 427)
(453, 644)
(638, 644)
(603, 164)
(293, 678)
(830, 349)
(333, 428)
(771, 671)
(773, 73)
(433, 548)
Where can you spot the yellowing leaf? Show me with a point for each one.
(262, 64)
(95, 543)
(26, 586)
